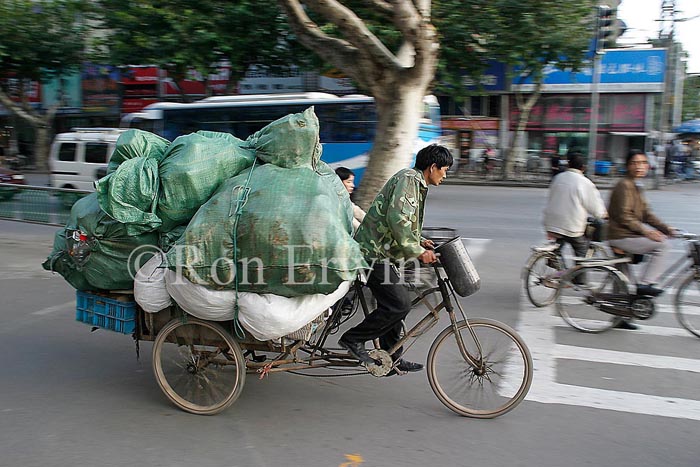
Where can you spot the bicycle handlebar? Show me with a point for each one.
(684, 234)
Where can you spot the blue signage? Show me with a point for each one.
(493, 79)
(618, 66)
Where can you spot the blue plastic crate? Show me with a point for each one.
(105, 312)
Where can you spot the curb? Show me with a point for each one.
(607, 185)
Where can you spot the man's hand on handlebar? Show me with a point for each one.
(427, 257)
(655, 235)
(427, 244)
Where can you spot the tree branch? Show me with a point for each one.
(382, 7)
(412, 18)
(336, 51)
(355, 30)
(12, 106)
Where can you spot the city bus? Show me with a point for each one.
(347, 123)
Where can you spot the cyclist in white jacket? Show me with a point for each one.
(572, 199)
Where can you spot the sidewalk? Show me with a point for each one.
(527, 181)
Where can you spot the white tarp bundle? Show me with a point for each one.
(149, 285)
(264, 316)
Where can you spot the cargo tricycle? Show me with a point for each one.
(477, 367)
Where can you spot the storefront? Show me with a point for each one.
(630, 88)
(471, 136)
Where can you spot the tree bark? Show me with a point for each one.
(517, 148)
(42, 126)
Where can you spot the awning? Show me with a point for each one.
(629, 133)
(691, 126)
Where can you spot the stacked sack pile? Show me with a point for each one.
(256, 230)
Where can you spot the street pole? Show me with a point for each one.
(593, 123)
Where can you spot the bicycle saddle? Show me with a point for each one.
(620, 253)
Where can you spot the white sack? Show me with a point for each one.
(199, 301)
(149, 286)
(268, 316)
(264, 316)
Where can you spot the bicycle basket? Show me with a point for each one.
(597, 230)
(459, 267)
(439, 234)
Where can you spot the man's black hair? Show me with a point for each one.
(344, 173)
(632, 153)
(433, 154)
(576, 160)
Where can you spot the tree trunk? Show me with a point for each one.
(517, 148)
(395, 139)
(42, 125)
(397, 81)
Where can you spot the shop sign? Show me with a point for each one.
(622, 70)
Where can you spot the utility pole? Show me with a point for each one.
(666, 33)
(593, 122)
(603, 32)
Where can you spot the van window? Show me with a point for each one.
(96, 153)
(66, 152)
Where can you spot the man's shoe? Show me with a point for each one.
(626, 324)
(404, 366)
(357, 350)
(648, 290)
(408, 367)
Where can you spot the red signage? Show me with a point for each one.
(465, 123)
(136, 104)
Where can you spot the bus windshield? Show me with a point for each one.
(347, 124)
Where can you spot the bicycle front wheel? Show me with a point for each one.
(688, 304)
(499, 381)
(585, 293)
(541, 278)
(198, 365)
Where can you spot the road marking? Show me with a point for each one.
(537, 328)
(615, 357)
(646, 329)
(54, 308)
(475, 246)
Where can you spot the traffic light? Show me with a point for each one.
(606, 29)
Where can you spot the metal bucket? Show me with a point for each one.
(459, 267)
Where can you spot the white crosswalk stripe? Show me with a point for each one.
(541, 329)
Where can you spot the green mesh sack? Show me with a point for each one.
(114, 255)
(60, 261)
(130, 194)
(344, 203)
(290, 141)
(290, 241)
(167, 239)
(194, 166)
(137, 143)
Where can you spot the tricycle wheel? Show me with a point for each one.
(198, 365)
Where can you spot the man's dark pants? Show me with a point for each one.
(393, 304)
(579, 244)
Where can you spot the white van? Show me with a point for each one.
(80, 157)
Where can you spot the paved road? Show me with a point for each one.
(71, 397)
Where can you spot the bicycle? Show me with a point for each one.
(604, 298)
(477, 368)
(545, 266)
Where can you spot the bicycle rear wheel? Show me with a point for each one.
(198, 365)
(582, 294)
(687, 304)
(541, 279)
(495, 387)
